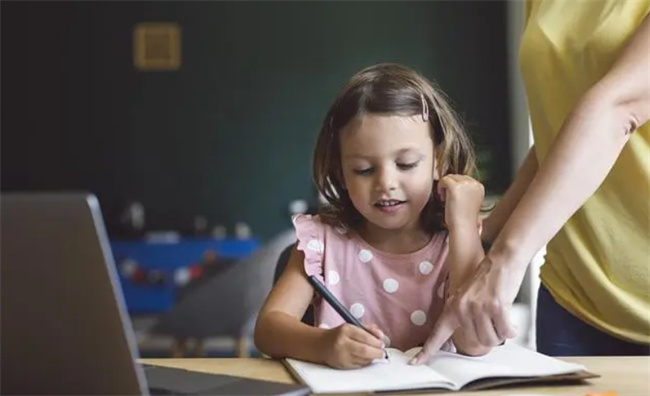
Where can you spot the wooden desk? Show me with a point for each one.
(627, 376)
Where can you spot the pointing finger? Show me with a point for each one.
(442, 331)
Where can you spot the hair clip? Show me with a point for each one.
(425, 109)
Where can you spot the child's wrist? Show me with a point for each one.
(321, 346)
(463, 225)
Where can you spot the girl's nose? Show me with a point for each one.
(386, 180)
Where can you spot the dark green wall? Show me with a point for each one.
(229, 135)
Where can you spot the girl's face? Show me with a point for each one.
(388, 168)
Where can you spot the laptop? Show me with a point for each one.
(65, 329)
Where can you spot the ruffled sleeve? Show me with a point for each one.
(311, 241)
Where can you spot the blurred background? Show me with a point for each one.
(194, 122)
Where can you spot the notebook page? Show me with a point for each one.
(384, 376)
(509, 360)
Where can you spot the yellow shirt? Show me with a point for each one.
(598, 265)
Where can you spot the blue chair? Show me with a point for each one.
(228, 303)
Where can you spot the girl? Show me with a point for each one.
(400, 231)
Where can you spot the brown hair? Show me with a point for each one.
(389, 89)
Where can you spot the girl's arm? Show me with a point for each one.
(279, 331)
(463, 198)
(465, 252)
(493, 224)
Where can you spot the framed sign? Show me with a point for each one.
(157, 46)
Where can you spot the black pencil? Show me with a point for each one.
(336, 304)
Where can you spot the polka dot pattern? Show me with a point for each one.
(441, 291)
(315, 245)
(389, 290)
(418, 318)
(333, 278)
(357, 310)
(425, 267)
(365, 255)
(391, 285)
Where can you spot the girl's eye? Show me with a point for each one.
(363, 172)
(407, 166)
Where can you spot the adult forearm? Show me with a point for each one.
(280, 335)
(577, 163)
(493, 224)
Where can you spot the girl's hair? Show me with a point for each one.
(389, 89)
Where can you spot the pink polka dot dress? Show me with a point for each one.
(403, 294)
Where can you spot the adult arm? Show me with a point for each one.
(584, 151)
(495, 221)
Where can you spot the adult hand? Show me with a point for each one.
(481, 306)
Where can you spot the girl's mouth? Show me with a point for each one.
(389, 205)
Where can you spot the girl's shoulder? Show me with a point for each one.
(313, 225)
(314, 237)
(313, 233)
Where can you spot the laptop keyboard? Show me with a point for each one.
(173, 381)
(164, 392)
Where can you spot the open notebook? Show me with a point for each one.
(504, 365)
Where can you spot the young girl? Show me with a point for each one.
(400, 231)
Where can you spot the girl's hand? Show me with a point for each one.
(348, 346)
(463, 198)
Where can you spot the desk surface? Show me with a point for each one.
(627, 376)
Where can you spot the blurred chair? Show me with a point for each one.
(227, 304)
